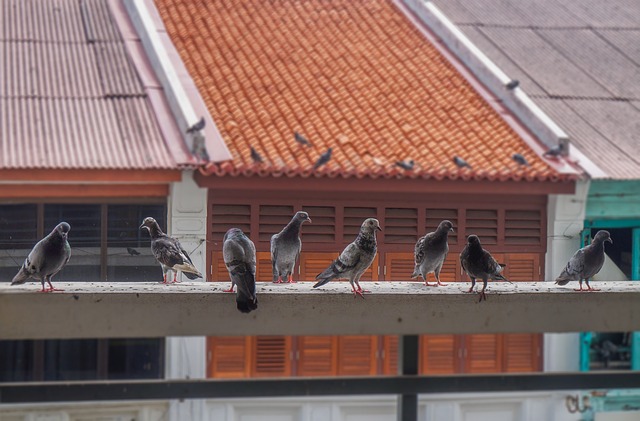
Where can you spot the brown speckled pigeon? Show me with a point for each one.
(431, 251)
(286, 246)
(586, 262)
(478, 263)
(239, 254)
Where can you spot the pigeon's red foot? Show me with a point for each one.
(470, 290)
(357, 293)
(363, 291)
(427, 284)
(228, 290)
(587, 289)
(51, 289)
(441, 284)
(290, 280)
(279, 281)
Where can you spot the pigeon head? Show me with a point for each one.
(371, 225)
(63, 229)
(602, 236)
(446, 226)
(303, 217)
(232, 232)
(473, 240)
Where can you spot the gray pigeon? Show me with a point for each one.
(406, 165)
(431, 251)
(461, 163)
(47, 258)
(301, 139)
(520, 159)
(586, 262)
(324, 158)
(512, 84)
(354, 259)
(132, 251)
(285, 248)
(199, 125)
(554, 152)
(478, 263)
(239, 256)
(255, 156)
(169, 253)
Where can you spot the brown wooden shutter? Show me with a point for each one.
(224, 217)
(451, 269)
(521, 352)
(271, 356)
(272, 219)
(219, 271)
(435, 216)
(264, 270)
(482, 354)
(311, 264)
(398, 266)
(523, 227)
(357, 355)
(438, 354)
(317, 355)
(323, 227)
(353, 217)
(400, 226)
(484, 224)
(228, 356)
(523, 267)
(390, 355)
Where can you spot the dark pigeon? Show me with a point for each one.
(301, 139)
(169, 253)
(554, 152)
(324, 158)
(47, 258)
(285, 248)
(239, 254)
(512, 84)
(132, 251)
(355, 259)
(406, 165)
(431, 251)
(197, 126)
(478, 263)
(257, 158)
(586, 262)
(199, 149)
(520, 159)
(461, 163)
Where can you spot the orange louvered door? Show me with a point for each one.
(521, 352)
(482, 354)
(271, 356)
(317, 355)
(357, 355)
(398, 266)
(228, 356)
(219, 271)
(390, 355)
(451, 269)
(439, 354)
(523, 267)
(264, 270)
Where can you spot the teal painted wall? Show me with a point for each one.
(613, 199)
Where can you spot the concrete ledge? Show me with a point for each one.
(103, 310)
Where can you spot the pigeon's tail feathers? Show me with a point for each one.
(416, 273)
(327, 275)
(192, 276)
(562, 281)
(21, 277)
(189, 270)
(499, 277)
(246, 304)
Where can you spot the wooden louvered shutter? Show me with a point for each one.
(484, 224)
(398, 266)
(482, 354)
(264, 270)
(439, 354)
(390, 355)
(311, 264)
(317, 356)
(272, 219)
(224, 217)
(435, 216)
(357, 355)
(523, 227)
(228, 356)
(400, 226)
(353, 217)
(219, 271)
(521, 352)
(451, 269)
(323, 227)
(271, 356)
(523, 267)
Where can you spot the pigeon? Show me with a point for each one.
(407, 165)
(324, 158)
(512, 84)
(199, 150)
(301, 139)
(430, 252)
(169, 253)
(286, 246)
(47, 258)
(586, 262)
(257, 158)
(461, 163)
(478, 263)
(554, 152)
(520, 159)
(354, 259)
(239, 254)
(197, 126)
(132, 251)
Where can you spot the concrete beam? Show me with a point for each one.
(104, 310)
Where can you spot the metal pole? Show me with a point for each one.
(408, 366)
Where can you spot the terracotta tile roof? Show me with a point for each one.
(71, 97)
(353, 75)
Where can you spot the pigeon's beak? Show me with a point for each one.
(143, 226)
(451, 229)
(609, 240)
(309, 220)
(378, 228)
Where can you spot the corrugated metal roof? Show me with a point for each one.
(70, 95)
(579, 59)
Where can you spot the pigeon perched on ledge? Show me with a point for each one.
(239, 254)
(355, 259)
(586, 262)
(169, 253)
(286, 246)
(478, 263)
(47, 258)
(431, 251)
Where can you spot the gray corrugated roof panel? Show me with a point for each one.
(626, 41)
(457, 12)
(605, 14)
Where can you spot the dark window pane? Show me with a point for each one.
(75, 359)
(610, 351)
(84, 239)
(135, 359)
(129, 252)
(16, 361)
(18, 235)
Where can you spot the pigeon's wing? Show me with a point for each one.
(166, 252)
(463, 259)
(419, 251)
(349, 258)
(183, 253)
(575, 266)
(274, 248)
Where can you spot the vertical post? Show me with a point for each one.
(408, 366)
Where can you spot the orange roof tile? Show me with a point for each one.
(353, 75)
